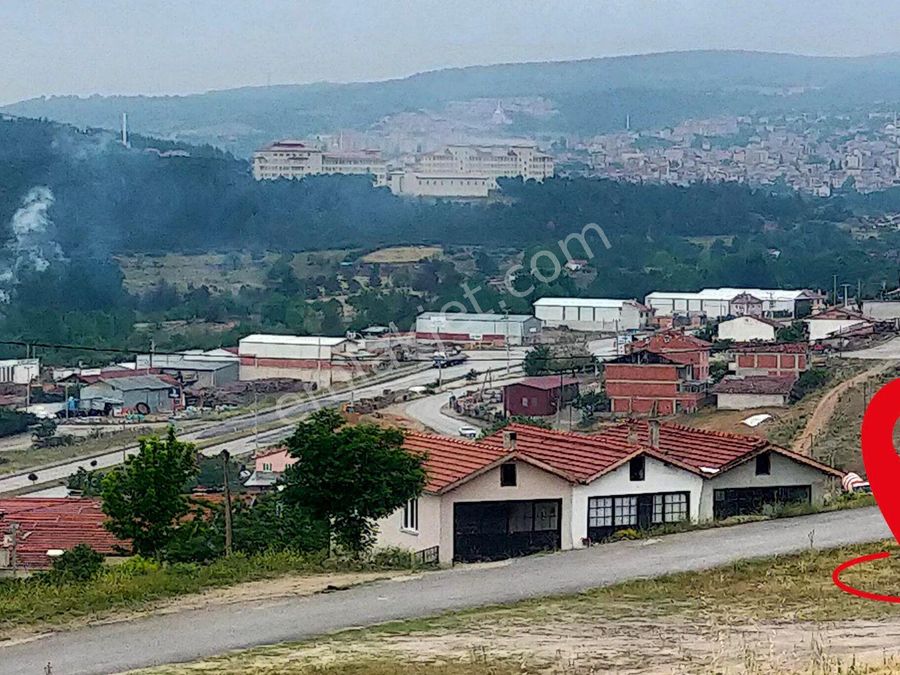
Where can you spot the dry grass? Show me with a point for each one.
(777, 615)
(401, 254)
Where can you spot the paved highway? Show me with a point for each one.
(293, 407)
(201, 633)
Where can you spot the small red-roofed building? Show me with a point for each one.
(539, 396)
(35, 530)
(526, 489)
(785, 358)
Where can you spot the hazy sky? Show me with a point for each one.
(180, 46)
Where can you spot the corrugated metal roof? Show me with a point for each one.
(600, 303)
(136, 382)
(305, 340)
(460, 316)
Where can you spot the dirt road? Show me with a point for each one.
(825, 408)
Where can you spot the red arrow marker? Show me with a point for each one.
(879, 455)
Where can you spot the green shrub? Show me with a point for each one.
(80, 563)
(627, 534)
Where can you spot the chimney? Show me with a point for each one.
(653, 426)
(509, 440)
(632, 435)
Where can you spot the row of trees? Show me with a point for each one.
(345, 479)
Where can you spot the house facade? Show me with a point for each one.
(539, 396)
(526, 489)
(748, 329)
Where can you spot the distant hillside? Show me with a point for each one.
(590, 96)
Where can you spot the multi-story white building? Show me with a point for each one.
(295, 159)
(461, 171)
(492, 161)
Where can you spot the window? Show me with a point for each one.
(600, 512)
(267, 467)
(676, 507)
(546, 516)
(763, 464)
(524, 401)
(411, 515)
(636, 468)
(625, 511)
(508, 474)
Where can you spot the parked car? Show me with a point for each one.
(469, 432)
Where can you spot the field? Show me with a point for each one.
(402, 254)
(218, 271)
(776, 615)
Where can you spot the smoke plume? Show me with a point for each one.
(32, 245)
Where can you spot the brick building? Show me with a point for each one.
(539, 396)
(789, 358)
(644, 382)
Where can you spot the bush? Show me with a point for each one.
(625, 535)
(81, 563)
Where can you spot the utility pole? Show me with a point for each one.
(255, 416)
(559, 399)
(834, 295)
(846, 292)
(506, 338)
(152, 350)
(228, 533)
(13, 546)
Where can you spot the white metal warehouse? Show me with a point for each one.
(592, 314)
(490, 328)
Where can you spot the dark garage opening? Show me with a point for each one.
(497, 530)
(747, 501)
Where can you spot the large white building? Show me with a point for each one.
(323, 360)
(19, 371)
(517, 329)
(295, 159)
(719, 302)
(592, 314)
(462, 171)
(492, 161)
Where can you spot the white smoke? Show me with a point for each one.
(32, 245)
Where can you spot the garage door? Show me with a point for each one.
(497, 530)
(745, 501)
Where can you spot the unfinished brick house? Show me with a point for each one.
(664, 374)
(789, 358)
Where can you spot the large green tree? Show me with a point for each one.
(350, 475)
(145, 498)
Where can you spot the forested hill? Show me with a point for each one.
(103, 198)
(588, 96)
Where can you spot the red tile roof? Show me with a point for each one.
(449, 460)
(756, 384)
(547, 381)
(55, 523)
(672, 340)
(581, 458)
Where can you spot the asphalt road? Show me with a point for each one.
(887, 350)
(427, 410)
(481, 361)
(196, 634)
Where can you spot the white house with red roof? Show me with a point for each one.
(527, 489)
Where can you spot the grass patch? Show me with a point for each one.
(35, 458)
(630, 627)
(136, 583)
(399, 255)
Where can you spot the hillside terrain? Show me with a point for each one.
(587, 96)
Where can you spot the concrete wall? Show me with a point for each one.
(745, 329)
(658, 477)
(819, 329)
(784, 472)
(392, 534)
(881, 310)
(747, 401)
